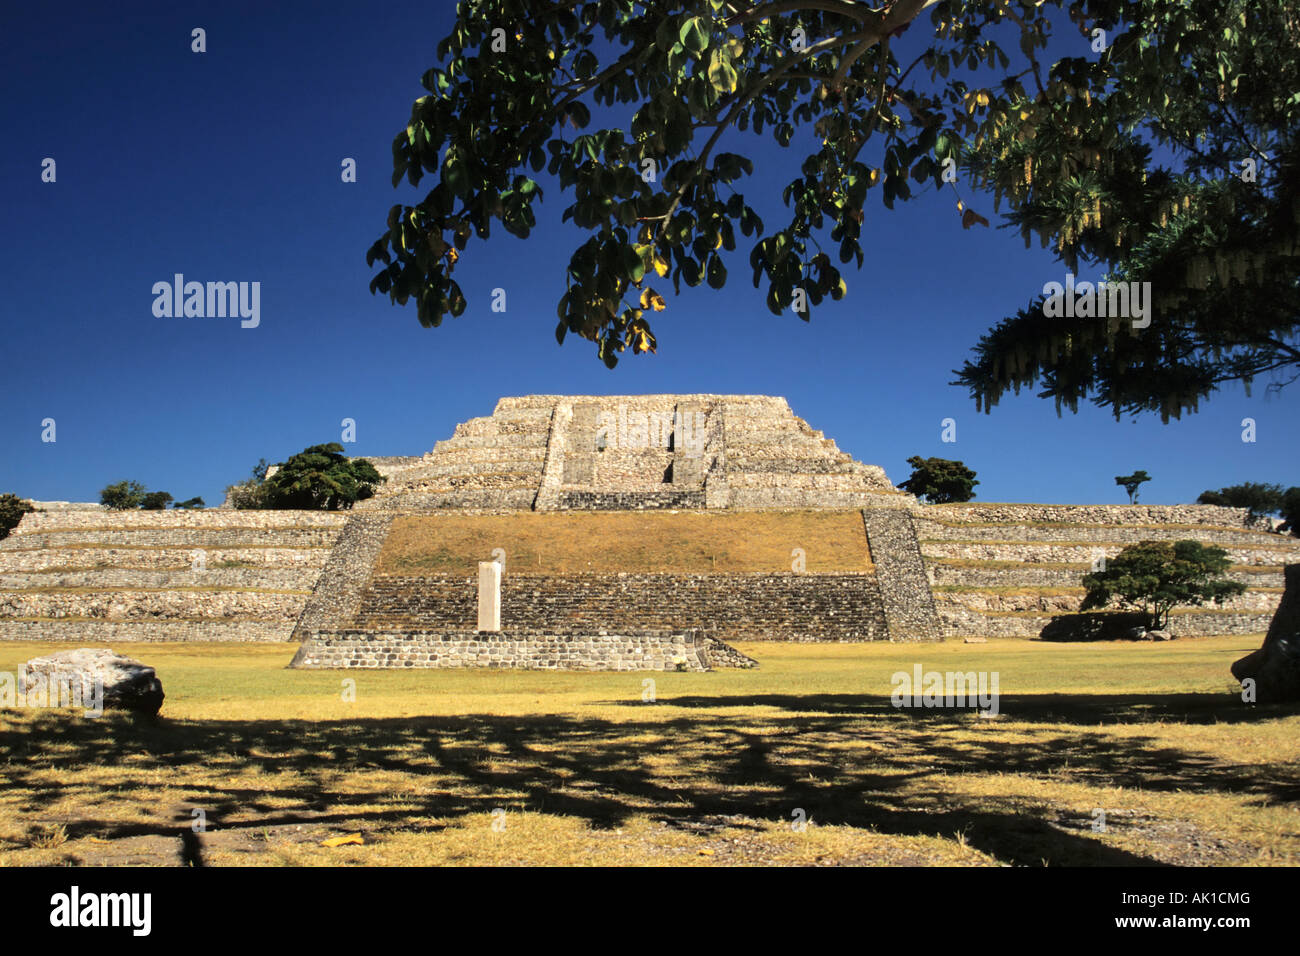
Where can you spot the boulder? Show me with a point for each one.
(127, 684)
(1164, 635)
(1275, 667)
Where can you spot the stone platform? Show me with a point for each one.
(519, 648)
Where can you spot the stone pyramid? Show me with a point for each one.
(631, 452)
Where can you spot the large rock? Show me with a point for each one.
(1275, 667)
(127, 684)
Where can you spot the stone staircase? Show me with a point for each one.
(98, 576)
(1007, 570)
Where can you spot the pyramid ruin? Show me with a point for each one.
(634, 452)
(393, 583)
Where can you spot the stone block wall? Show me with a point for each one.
(779, 607)
(522, 649)
(629, 500)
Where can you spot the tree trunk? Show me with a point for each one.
(1275, 667)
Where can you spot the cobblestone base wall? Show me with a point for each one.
(519, 649)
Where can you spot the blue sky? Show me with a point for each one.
(225, 166)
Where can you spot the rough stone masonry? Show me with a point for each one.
(76, 572)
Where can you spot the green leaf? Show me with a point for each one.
(694, 36)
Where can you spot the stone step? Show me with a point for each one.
(499, 499)
(1197, 622)
(495, 440)
(440, 470)
(1239, 537)
(159, 559)
(942, 575)
(153, 605)
(57, 521)
(512, 455)
(1060, 601)
(1068, 553)
(124, 632)
(291, 579)
(795, 498)
(176, 538)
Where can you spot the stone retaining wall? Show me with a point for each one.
(963, 621)
(780, 607)
(518, 649)
(1266, 555)
(120, 632)
(300, 578)
(106, 560)
(82, 520)
(336, 598)
(932, 531)
(1084, 514)
(177, 538)
(904, 588)
(629, 500)
(942, 575)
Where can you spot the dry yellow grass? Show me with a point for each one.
(579, 769)
(687, 541)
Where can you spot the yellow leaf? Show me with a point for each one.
(650, 299)
(718, 244)
(706, 853)
(661, 265)
(351, 838)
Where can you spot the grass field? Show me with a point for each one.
(578, 769)
(672, 541)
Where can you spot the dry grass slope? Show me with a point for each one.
(573, 542)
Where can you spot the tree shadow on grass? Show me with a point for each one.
(846, 760)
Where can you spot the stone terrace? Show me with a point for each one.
(1007, 569)
(213, 575)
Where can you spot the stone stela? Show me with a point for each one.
(489, 596)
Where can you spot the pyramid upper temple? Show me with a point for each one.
(632, 452)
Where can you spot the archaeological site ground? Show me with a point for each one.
(711, 640)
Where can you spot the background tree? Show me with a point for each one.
(195, 502)
(1066, 141)
(123, 495)
(320, 477)
(1179, 166)
(155, 501)
(12, 509)
(1259, 498)
(939, 480)
(1291, 511)
(1131, 484)
(247, 495)
(1156, 576)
